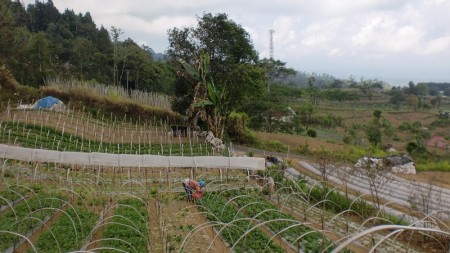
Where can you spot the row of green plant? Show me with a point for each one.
(12, 194)
(282, 223)
(127, 229)
(331, 200)
(233, 225)
(26, 216)
(33, 136)
(69, 232)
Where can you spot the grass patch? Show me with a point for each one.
(441, 165)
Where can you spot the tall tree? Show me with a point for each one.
(276, 71)
(115, 35)
(232, 56)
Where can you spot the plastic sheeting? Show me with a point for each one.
(46, 103)
(125, 160)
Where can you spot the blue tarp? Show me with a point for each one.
(46, 103)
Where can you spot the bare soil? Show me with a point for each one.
(154, 229)
(97, 235)
(438, 178)
(35, 236)
(295, 141)
(180, 218)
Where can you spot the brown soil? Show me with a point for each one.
(35, 236)
(155, 232)
(178, 218)
(97, 235)
(295, 141)
(85, 127)
(438, 178)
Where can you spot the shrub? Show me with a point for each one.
(415, 147)
(347, 139)
(276, 145)
(311, 133)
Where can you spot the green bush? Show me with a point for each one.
(347, 139)
(415, 147)
(311, 133)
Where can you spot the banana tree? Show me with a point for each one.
(208, 102)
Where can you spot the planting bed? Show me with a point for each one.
(124, 209)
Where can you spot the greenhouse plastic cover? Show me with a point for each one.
(125, 160)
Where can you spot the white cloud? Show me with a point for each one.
(340, 36)
(438, 45)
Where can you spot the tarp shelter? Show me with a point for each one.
(47, 103)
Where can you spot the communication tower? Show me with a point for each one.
(271, 32)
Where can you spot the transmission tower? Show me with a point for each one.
(271, 32)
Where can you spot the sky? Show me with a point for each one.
(396, 41)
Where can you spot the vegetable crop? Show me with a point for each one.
(127, 229)
(233, 225)
(70, 231)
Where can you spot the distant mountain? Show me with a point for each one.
(157, 56)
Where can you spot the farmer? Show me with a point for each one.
(193, 189)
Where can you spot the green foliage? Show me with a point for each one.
(26, 216)
(217, 210)
(311, 133)
(353, 153)
(427, 165)
(416, 147)
(441, 122)
(230, 58)
(70, 231)
(34, 136)
(275, 145)
(267, 212)
(127, 230)
(39, 42)
(11, 194)
(339, 95)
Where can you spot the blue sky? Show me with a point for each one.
(393, 40)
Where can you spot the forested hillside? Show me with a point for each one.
(39, 42)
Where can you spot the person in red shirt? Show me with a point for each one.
(193, 189)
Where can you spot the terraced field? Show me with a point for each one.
(53, 207)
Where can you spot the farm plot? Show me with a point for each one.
(127, 229)
(185, 229)
(34, 136)
(30, 214)
(142, 208)
(280, 223)
(68, 232)
(234, 227)
(12, 195)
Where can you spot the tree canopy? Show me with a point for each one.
(232, 58)
(38, 42)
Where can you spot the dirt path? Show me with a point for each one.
(35, 236)
(438, 178)
(97, 235)
(154, 229)
(180, 218)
